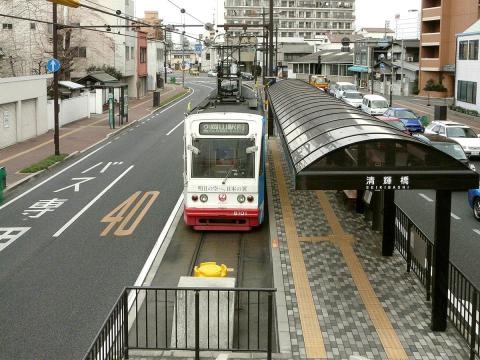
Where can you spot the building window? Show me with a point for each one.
(79, 52)
(132, 53)
(127, 52)
(33, 26)
(467, 91)
(463, 50)
(143, 55)
(473, 50)
(7, 26)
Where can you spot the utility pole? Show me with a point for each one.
(183, 49)
(56, 137)
(276, 49)
(270, 33)
(165, 57)
(264, 68)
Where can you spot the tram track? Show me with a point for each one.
(212, 246)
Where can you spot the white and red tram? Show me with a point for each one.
(224, 169)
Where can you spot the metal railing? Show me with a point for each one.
(196, 319)
(463, 297)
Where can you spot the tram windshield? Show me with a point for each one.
(218, 158)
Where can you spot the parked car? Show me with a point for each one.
(474, 202)
(353, 98)
(247, 76)
(461, 133)
(331, 89)
(212, 73)
(169, 71)
(408, 117)
(394, 122)
(374, 104)
(448, 146)
(341, 87)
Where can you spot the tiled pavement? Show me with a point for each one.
(348, 322)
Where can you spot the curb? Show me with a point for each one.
(30, 177)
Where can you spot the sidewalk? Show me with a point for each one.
(74, 136)
(342, 297)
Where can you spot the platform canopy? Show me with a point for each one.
(331, 145)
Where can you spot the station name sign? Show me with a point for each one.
(387, 182)
(223, 128)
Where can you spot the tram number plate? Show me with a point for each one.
(240, 213)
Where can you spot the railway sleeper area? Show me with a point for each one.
(166, 316)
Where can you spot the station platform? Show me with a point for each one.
(337, 296)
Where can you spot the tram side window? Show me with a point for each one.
(219, 157)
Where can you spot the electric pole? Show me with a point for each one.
(56, 137)
(270, 42)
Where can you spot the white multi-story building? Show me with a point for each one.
(305, 19)
(467, 94)
(24, 45)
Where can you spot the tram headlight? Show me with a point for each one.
(194, 197)
(203, 198)
(241, 198)
(250, 198)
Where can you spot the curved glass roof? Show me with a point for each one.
(331, 145)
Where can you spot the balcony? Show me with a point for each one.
(433, 63)
(433, 13)
(431, 38)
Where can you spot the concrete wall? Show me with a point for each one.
(23, 108)
(72, 109)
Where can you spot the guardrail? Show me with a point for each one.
(196, 319)
(463, 298)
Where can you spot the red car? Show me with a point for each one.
(395, 122)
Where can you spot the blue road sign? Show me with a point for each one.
(382, 67)
(53, 65)
(198, 48)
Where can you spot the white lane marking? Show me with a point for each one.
(52, 177)
(161, 238)
(130, 129)
(92, 167)
(10, 234)
(176, 126)
(137, 125)
(476, 231)
(76, 186)
(454, 216)
(210, 87)
(425, 197)
(222, 357)
(118, 137)
(86, 207)
(105, 167)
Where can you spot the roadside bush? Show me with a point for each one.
(430, 85)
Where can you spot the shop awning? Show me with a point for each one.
(358, 68)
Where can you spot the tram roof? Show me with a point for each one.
(212, 105)
(331, 145)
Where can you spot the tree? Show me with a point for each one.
(431, 85)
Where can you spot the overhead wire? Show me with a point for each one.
(186, 12)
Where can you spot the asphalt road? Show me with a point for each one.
(73, 238)
(464, 230)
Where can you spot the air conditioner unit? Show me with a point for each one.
(410, 59)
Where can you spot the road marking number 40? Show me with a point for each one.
(129, 213)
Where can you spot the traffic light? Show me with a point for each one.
(69, 3)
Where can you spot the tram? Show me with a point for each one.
(224, 152)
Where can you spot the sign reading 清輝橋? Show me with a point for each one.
(398, 182)
(223, 128)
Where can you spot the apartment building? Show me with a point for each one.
(441, 20)
(305, 19)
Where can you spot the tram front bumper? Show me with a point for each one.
(222, 219)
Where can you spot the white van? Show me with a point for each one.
(374, 104)
(341, 87)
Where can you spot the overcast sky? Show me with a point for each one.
(369, 13)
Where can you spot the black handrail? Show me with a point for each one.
(463, 299)
(135, 321)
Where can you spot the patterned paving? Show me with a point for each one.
(366, 304)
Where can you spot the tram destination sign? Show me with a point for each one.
(223, 128)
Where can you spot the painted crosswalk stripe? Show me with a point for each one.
(476, 231)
